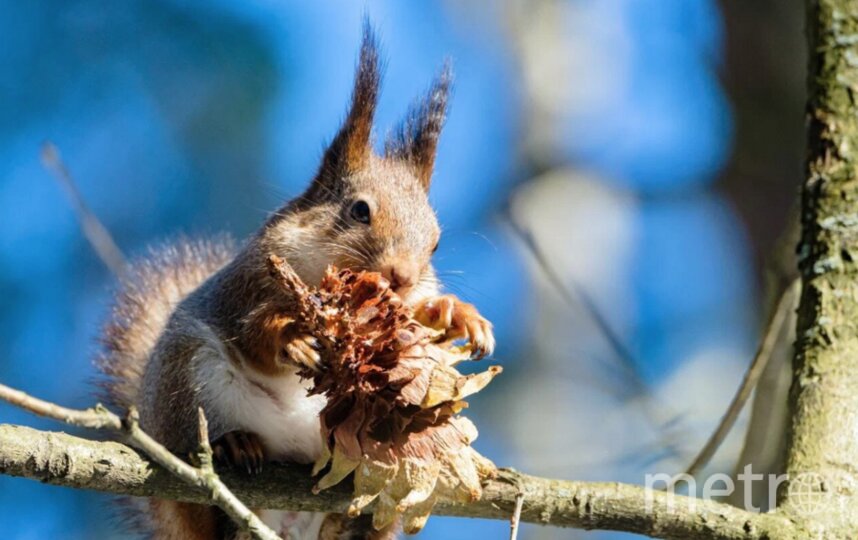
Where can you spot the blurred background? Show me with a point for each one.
(653, 148)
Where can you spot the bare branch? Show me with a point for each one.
(202, 478)
(774, 327)
(95, 418)
(516, 516)
(95, 232)
(574, 294)
(569, 294)
(61, 459)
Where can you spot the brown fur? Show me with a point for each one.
(416, 140)
(152, 289)
(195, 303)
(340, 527)
(268, 332)
(184, 521)
(350, 149)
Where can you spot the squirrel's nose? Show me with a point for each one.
(401, 277)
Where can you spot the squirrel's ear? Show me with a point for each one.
(350, 149)
(416, 139)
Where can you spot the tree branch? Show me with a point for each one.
(775, 325)
(201, 478)
(823, 401)
(655, 410)
(821, 452)
(96, 233)
(65, 460)
(516, 517)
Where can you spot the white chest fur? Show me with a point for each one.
(277, 409)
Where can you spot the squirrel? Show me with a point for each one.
(201, 323)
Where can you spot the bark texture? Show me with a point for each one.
(822, 453)
(65, 460)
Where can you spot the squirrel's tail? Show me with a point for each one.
(154, 285)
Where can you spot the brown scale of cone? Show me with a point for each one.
(394, 397)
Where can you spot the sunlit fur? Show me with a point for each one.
(186, 338)
(316, 230)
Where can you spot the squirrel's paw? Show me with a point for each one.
(240, 449)
(303, 351)
(458, 320)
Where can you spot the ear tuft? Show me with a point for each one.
(350, 149)
(416, 139)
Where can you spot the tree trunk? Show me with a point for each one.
(822, 453)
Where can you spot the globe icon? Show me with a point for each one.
(805, 495)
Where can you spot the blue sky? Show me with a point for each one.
(182, 117)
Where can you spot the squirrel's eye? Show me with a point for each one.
(434, 249)
(360, 212)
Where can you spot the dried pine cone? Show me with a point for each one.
(393, 399)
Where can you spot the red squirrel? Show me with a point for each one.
(201, 324)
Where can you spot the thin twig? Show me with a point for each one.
(202, 477)
(573, 294)
(775, 324)
(516, 516)
(95, 232)
(95, 418)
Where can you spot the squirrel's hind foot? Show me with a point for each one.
(240, 449)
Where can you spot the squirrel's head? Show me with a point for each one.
(367, 211)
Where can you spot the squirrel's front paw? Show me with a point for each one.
(303, 351)
(458, 320)
(240, 449)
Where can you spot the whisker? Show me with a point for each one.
(478, 234)
(275, 190)
(456, 273)
(486, 238)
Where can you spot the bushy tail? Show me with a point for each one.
(154, 285)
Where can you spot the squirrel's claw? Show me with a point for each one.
(240, 449)
(481, 335)
(304, 352)
(458, 320)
